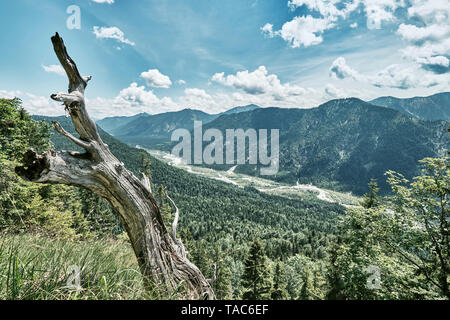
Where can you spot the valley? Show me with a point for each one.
(241, 180)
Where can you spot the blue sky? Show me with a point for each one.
(159, 55)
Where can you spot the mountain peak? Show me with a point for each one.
(240, 109)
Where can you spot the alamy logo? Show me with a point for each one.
(374, 279)
(74, 20)
(235, 147)
(74, 280)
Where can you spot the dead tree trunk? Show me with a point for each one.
(161, 256)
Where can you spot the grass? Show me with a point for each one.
(34, 267)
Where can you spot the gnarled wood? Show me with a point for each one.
(161, 257)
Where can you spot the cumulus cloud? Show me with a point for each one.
(104, 1)
(131, 100)
(259, 82)
(267, 30)
(35, 104)
(111, 33)
(429, 41)
(307, 30)
(394, 76)
(334, 92)
(181, 81)
(340, 70)
(156, 79)
(418, 35)
(304, 31)
(199, 93)
(54, 69)
(300, 31)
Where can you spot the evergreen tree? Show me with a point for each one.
(371, 199)
(256, 278)
(306, 292)
(279, 284)
(53, 210)
(222, 283)
(333, 276)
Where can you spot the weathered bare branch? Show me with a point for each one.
(61, 131)
(76, 82)
(146, 182)
(176, 218)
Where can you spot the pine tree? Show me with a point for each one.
(307, 286)
(279, 284)
(222, 283)
(256, 278)
(335, 283)
(371, 199)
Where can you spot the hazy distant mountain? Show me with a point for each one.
(150, 130)
(250, 107)
(343, 143)
(435, 107)
(112, 124)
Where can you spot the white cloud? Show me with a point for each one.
(340, 70)
(156, 79)
(324, 7)
(354, 25)
(394, 76)
(5, 94)
(334, 92)
(259, 82)
(104, 1)
(300, 31)
(379, 11)
(54, 69)
(131, 100)
(181, 81)
(195, 92)
(111, 33)
(307, 30)
(35, 104)
(304, 31)
(415, 34)
(429, 41)
(268, 30)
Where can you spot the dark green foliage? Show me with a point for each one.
(279, 284)
(404, 236)
(50, 210)
(371, 199)
(18, 132)
(256, 278)
(222, 283)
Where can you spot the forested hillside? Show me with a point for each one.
(343, 143)
(153, 130)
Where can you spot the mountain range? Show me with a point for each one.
(150, 130)
(435, 107)
(341, 144)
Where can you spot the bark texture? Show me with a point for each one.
(161, 255)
